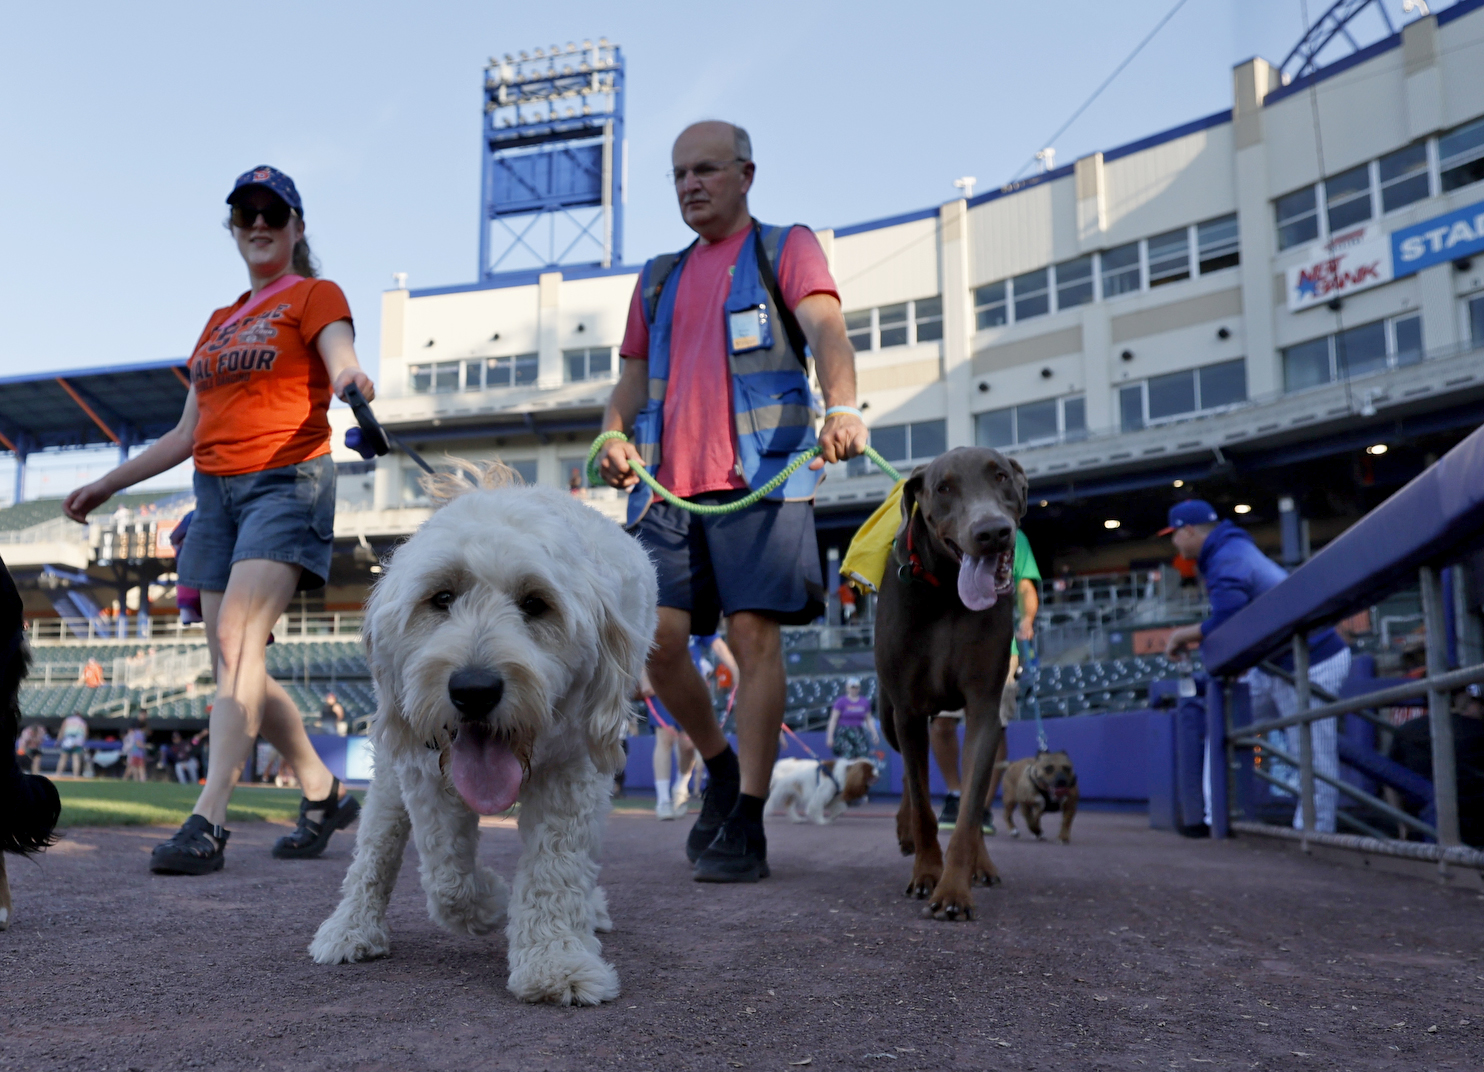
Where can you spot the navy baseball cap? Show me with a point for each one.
(1190, 512)
(270, 178)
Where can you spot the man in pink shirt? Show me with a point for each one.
(713, 376)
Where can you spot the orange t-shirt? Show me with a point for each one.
(261, 387)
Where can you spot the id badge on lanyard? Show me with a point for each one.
(750, 329)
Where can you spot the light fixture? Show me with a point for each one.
(1112, 524)
(1376, 449)
(1045, 502)
(1242, 508)
(1179, 483)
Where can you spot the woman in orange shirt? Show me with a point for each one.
(256, 423)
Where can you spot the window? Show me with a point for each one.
(1169, 257)
(1034, 422)
(438, 378)
(1476, 323)
(572, 473)
(1074, 283)
(892, 322)
(1131, 408)
(525, 468)
(1032, 297)
(989, 306)
(1403, 177)
(591, 363)
(1461, 155)
(514, 371)
(1347, 196)
(1298, 218)
(927, 314)
(1216, 244)
(918, 441)
(1358, 351)
(1176, 394)
(473, 374)
(858, 328)
(1121, 270)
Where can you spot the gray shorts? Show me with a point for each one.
(283, 515)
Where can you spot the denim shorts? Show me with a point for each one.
(763, 559)
(284, 515)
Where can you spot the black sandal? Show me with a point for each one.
(198, 848)
(310, 837)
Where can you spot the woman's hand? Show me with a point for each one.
(354, 375)
(85, 500)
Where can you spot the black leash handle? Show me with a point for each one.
(373, 437)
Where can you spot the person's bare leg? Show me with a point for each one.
(687, 767)
(943, 735)
(284, 728)
(680, 686)
(757, 643)
(238, 622)
(664, 743)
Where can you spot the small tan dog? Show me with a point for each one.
(1045, 782)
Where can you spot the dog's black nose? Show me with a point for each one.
(476, 692)
(992, 535)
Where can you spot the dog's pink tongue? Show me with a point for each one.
(976, 583)
(486, 773)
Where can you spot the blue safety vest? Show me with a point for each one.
(771, 400)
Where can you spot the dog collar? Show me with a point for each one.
(913, 569)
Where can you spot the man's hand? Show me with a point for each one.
(843, 436)
(358, 377)
(1180, 639)
(613, 463)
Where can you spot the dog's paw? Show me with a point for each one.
(562, 975)
(951, 902)
(922, 884)
(340, 941)
(475, 906)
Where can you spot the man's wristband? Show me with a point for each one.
(842, 409)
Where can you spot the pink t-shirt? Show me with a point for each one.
(699, 445)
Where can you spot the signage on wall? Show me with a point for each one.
(1441, 239)
(1353, 260)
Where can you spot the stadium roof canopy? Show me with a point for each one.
(123, 405)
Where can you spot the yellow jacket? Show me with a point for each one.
(866, 559)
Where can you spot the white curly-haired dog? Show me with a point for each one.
(505, 640)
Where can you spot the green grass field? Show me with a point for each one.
(96, 802)
(114, 803)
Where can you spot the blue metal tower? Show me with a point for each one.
(552, 192)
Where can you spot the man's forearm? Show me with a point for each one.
(628, 397)
(836, 371)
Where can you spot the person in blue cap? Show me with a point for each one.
(1235, 573)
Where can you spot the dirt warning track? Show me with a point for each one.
(1129, 949)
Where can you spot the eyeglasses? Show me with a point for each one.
(275, 215)
(706, 169)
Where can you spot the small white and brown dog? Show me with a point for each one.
(505, 639)
(817, 791)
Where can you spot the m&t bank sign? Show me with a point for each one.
(1436, 241)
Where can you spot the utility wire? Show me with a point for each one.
(1106, 83)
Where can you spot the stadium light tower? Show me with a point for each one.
(966, 184)
(552, 188)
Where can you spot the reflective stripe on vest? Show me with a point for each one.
(771, 401)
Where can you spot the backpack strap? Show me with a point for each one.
(766, 259)
(656, 273)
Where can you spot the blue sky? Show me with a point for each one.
(127, 123)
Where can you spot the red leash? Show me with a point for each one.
(654, 716)
(802, 745)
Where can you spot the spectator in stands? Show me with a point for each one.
(1411, 746)
(850, 723)
(332, 716)
(847, 602)
(758, 567)
(1235, 573)
(136, 751)
(183, 754)
(943, 733)
(256, 424)
(92, 673)
(575, 484)
(72, 739)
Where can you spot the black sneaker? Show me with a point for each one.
(987, 825)
(198, 848)
(310, 837)
(738, 854)
(716, 804)
(948, 817)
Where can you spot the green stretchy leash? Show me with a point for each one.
(594, 477)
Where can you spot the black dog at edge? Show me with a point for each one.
(29, 805)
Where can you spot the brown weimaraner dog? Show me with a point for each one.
(945, 623)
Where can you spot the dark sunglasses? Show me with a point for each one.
(275, 215)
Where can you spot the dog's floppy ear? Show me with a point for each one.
(466, 476)
(1022, 484)
(621, 651)
(910, 492)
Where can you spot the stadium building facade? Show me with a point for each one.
(1239, 306)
